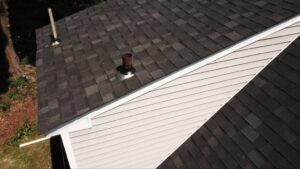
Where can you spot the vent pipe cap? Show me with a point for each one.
(127, 70)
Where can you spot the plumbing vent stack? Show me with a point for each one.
(126, 70)
(55, 41)
(127, 61)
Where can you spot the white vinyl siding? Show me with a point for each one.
(143, 132)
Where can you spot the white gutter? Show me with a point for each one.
(79, 123)
(33, 142)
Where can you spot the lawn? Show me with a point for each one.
(18, 117)
(36, 156)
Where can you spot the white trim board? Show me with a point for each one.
(84, 121)
(68, 149)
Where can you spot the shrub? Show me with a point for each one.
(18, 82)
(4, 103)
(24, 61)
(26, 130)
(15, 94)
(19, 87)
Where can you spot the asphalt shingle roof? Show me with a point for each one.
(258, 128)
(164, 36)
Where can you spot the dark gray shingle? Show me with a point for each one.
(271, 137)
(163, 36)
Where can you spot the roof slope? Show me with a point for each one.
(166, 35)
(258, 128)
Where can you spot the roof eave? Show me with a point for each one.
(83, 121)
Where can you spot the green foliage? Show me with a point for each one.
(24, 60)
(18, 82)
(19, 87)
(15, 94)
(26, 130)
(4, 103)
(36, 156)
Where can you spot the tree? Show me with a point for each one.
(6, 42)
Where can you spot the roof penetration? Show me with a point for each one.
(80, 74)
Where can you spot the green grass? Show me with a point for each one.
(18, 82)
(25, 131)
(36, 156)
(19, 87)
(4, 103)
(24, 60)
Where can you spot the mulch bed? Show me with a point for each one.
(15, 118)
